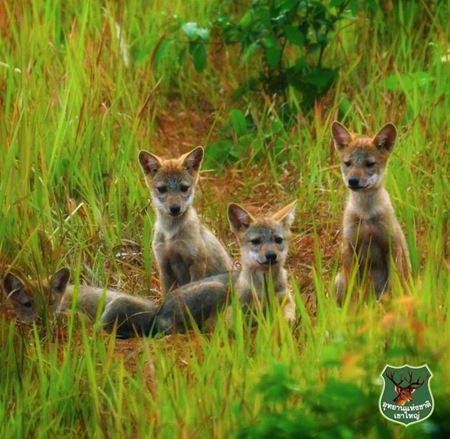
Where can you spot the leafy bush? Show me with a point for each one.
(287, 36)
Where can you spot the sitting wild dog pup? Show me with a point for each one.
(185, 250)
(264, 245)
(371, 231)
(32, 301)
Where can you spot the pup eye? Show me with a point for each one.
(347, 163)
(279, 240)
(27, 304)
(184, 188)
(370, 164)
(162, 189)
(256, 241)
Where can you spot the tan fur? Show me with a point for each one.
(34, 300)
(88, 299)
(184, 249)
(371, 231)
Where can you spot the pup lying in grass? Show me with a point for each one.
(31, 301)
(371, 232)
(264, 244)
(184, 249)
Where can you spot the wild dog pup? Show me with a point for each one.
(194, 303)
(185, 250)
(264, 245)
(31, 301)
(371, 231)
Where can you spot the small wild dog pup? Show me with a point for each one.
(371, 232)
(31, 301)
(264, 245)
(184, 249)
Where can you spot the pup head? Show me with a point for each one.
(264, 240)
(363, 158)
(32, 300)
(172, 182)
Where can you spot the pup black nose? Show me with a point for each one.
(353, 182)
(174, 209)
(271, 257)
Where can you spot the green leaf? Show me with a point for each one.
(246, 19)
(249, 52)
(391, 82)
(285, 6)
(273, 52)
(194, 32)
(198, 52)
(322, 78)
(293, 35)
(161, 51)
(238, 122)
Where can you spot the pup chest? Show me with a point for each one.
(175, 246)
(260, 287)
(370, 235)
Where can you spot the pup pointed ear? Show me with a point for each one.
(60, 279)
(193, 160)
(238, 218)
(16, 292)
(13, 285)
(385, 138)
(150, 163)
(286, 215)
(341, 135)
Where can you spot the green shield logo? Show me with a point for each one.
(406, 397)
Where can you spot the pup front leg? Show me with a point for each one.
(289, 307)
(402, 262)
(167, 281)
(341, 281)
(197, 270)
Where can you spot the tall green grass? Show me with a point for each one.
(75, 112)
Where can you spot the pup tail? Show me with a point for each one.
(132, 316)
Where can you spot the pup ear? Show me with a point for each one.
(150, 163)
(238, 218)
(286, 215)
(341, 135)
(12, 285)
(193, 159)
(60, 279)
(16, 292)
(385, 138)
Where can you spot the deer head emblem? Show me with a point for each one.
(404, 394)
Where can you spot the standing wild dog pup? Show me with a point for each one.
(371, 230)
(184, 249)
(264, 245)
